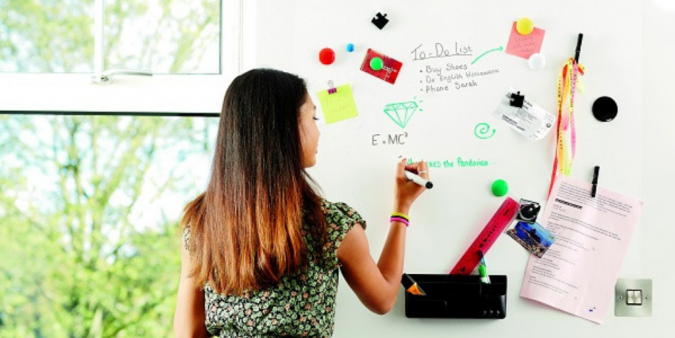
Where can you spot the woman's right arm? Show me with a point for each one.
(189, 319)
(377, 285)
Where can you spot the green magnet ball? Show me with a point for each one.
(500, 188)
(376, 64)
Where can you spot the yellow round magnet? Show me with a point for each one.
(524, 26)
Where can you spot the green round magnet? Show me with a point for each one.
(500, 188)
(376, 63)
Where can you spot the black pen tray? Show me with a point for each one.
(457, 296)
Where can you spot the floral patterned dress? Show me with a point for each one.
(300, 305)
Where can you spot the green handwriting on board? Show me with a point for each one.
(338, 106)
(401, 113)
(459, 162)
(482, 131)
(491, 50)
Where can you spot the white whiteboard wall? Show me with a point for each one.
(446, 219)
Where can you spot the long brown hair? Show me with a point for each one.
(246, 230)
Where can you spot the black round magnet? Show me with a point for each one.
(605, 109)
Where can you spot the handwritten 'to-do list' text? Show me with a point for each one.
(456, 75)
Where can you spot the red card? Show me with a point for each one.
(389, 71)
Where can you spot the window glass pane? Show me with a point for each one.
(90, 209)
(163, 36)
(48, 36)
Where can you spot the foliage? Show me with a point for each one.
(165, 36)
(76, 260)
(89, 240)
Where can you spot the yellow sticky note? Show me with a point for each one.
(339, 105)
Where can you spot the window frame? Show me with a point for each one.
(159, 95)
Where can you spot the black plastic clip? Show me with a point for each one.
(517, 100)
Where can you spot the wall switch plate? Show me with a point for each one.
(633, 298)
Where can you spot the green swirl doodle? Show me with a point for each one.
(482, 130)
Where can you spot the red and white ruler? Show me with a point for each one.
(487, 237)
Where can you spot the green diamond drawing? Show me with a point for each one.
(401, 113)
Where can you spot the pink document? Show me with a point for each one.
(578, 272)
(525, 45)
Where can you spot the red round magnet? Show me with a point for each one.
(326, 56)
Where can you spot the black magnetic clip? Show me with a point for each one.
(517, 100)
(528, 211)
(380, 20)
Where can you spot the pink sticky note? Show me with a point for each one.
(525, 45)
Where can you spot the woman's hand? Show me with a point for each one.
(406, 192)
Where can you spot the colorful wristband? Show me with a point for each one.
(400, 219)
(399, 214)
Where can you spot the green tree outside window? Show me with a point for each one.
(90, 204)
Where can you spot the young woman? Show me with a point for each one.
(261, 248)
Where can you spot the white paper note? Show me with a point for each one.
(531, 120)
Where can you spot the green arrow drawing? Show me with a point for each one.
(491, 50)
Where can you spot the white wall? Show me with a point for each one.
(627, 46)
